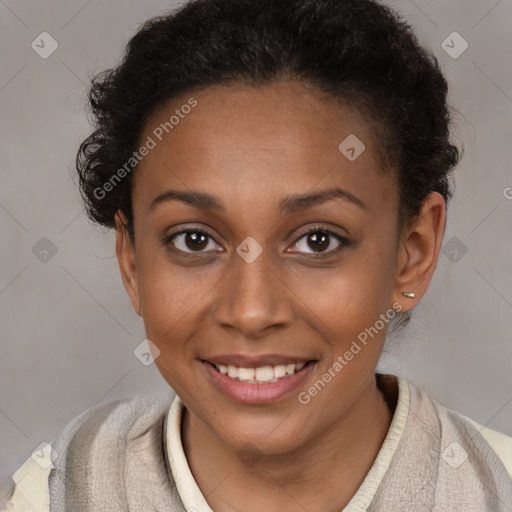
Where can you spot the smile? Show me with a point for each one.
(258, 384)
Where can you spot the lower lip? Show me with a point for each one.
(249, 393)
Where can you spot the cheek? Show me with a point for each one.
(169, 296)
(355, 291)
(170, 302)
(350, 302)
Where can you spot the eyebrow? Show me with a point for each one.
(288, 205)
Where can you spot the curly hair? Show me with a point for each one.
(357, 52)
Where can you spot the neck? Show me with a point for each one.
(321, 475)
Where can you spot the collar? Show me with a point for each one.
(193, 499)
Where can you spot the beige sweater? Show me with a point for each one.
(128, 455)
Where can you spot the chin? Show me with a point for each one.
(261, 437)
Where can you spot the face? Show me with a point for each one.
(253, 266)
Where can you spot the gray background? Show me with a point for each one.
(68, 329)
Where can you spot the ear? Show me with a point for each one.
(418, 251)
(127, 261)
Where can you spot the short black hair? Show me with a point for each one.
(359, 52)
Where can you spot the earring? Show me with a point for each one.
(409, 295)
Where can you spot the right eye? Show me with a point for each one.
(190, 241)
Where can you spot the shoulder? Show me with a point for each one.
(499, 442)
(113, 422)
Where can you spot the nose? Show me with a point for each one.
(253, 297)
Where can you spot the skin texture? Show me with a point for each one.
(251, 147)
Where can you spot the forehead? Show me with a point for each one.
(252, 143)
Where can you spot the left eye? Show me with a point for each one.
(320, 240)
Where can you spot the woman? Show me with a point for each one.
(277, 173)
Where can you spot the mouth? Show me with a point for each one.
(256, 383)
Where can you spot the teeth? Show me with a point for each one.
(279, 371)
(247, 373)
(262, 374)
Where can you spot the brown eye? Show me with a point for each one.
(320, 241)
(194, 240)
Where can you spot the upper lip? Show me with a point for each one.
(246, 361)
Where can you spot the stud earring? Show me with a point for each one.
(409, 295)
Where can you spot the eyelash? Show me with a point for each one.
(344, 242)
